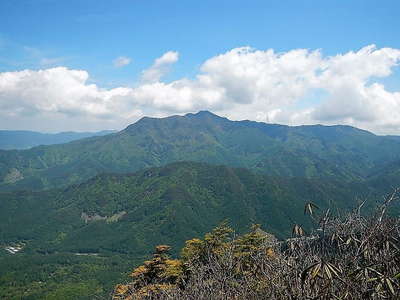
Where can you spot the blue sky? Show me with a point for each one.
(87, 34)
(91, 35)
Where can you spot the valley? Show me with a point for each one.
(104, 203)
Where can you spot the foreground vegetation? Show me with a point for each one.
(349, 257)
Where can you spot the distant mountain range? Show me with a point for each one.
(335, 152)
(23, 139)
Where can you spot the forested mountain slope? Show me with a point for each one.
(78, 241)
(132, 213)
(336, 152)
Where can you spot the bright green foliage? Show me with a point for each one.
(119, 215)
(338, 152)
(162, 205)
(61, 276)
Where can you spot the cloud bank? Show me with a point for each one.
(295, 87)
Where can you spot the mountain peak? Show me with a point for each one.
(203, 114)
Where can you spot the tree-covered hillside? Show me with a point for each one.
(338, 152)
(131, 213)
(83, 239)
(82, 214)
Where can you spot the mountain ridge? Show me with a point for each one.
(303, 151)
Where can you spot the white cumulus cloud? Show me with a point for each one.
(121, 61)
(160, 67)
(243, 83)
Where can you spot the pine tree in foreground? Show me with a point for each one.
(349, 257)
